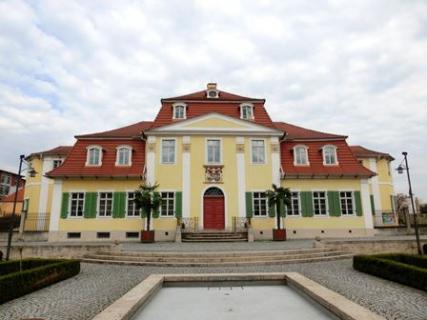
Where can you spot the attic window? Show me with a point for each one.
(247, 111)
(212, 92)
(94, 156)
(330, 155)
(179, 111)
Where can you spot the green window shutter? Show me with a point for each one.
(178, 204)
(372, 203)
(358, 200)
(64, 205)
(119, 205)
(306, 204)
(334, 204)
(26, 205)
(393, 203)
(156, 213)
(249, 209)
(90, 205)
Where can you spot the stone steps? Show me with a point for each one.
(212, 236)
(216, 259)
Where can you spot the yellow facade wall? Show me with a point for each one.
(259, 177)
(322, 184)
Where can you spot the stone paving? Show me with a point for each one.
(97, 286)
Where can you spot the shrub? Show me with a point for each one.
(395, 268)
(36, 274)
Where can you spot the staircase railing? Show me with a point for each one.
(240, 224)
(189, 224)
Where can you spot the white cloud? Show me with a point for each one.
(351, 67)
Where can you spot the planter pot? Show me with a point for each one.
(147, 236)
(279, 234)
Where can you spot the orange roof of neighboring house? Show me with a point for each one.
(294, 132)
(133, 130)
(11, 197)
(57, 151)
(362, 152)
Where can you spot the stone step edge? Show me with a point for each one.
(217, 253)
(213, 259)
(222, 264)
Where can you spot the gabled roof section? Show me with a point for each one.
(294, 132)
(133, 130)
(222, 124)
(362, 152)
(60, 151)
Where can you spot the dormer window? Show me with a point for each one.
(179, 111)
(301, 156)
(212, 92)
(330, 155)
(247, 111)
(124, 156)
(94, 156)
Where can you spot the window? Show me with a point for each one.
(319, 200)
(132, 235)
(346, 199)
(212, 93)
(56, 163)
(260, 204)
(105, 204)
(167, 208)
(6, 179)
(293, 210)
(73, 235)
(179, 111)
(246, 112)
(168, 151)
(124, 155)
(258, 151)
(103, 235)
(94, 156)
(132, 211)
(330, 155)
(5, 184)
(77, 204)
(300, 155)
(214, 151)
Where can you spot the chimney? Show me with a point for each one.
(211, 86)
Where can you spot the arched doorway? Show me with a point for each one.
(213, 209)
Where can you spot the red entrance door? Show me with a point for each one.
(213, 212)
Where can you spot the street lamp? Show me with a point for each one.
(32, 173)
(400, 169)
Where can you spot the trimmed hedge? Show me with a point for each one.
(36, 274)
(406, 269)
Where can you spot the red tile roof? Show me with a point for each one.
(133, 130)
(11, 197)
(348, 165)
(296, 132)
(362, 152)
(194, 109)
(57, 151)
(202, 96)
(75, 164)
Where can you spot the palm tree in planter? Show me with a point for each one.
(148, 200)
(278, 198)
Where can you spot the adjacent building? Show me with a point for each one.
(213, 155)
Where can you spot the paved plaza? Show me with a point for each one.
(97, 286)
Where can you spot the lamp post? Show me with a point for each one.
(400, 170)
(32, 173)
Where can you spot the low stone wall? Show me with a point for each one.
(371, 246)
(56, 250)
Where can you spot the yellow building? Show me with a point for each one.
(213, 155)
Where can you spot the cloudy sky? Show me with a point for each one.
(351, 67)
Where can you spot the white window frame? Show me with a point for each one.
(174, 204)
(98, 205)
(251, 107)
(213, 97)
(265, 151)
(335, 155)
(57, 160)
(353, 205)
(127, 206)
(289, 210)
(220, 151)
(295, 148)
(129, 149)
(88, 148)
(161, 150)
(174, 109)
(326, 204)
(260, 199)
(83, 204)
